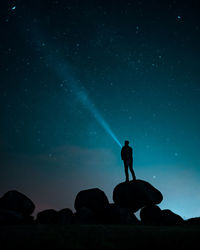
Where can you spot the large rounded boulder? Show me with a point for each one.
(136, 194)
(151, 215)
(65, 216)
(16, 201)
(48, 216)
(193, 221)
(169, 218)
(93, 199)
(8, 217)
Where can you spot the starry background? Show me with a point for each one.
(136, 63)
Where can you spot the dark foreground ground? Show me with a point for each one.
(98, 237)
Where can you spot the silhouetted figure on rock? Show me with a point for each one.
(127, 157)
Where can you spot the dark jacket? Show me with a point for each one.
(127, 153)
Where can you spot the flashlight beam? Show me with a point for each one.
(84, 99)
(64, 71)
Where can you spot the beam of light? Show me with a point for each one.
(65, 73)
(84, 99)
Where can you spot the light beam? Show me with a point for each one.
(65, 72)
(84, 99)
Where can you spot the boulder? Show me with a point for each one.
(93, 199)
(150, 215)
(114, 214)
(65, 216)
(153, 215)
(16, 201)
(136, 194)
(48, 216)
(10, 217)
(28, 219)
(168, 218)
(193, 221)
(85, 216)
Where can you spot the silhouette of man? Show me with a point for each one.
(127, 157)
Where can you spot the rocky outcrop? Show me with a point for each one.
(92, 207)
(51, 216)
(169, 218)
(114, 214)
(136, 194)
(93, 199)
(85, 215)
(48, 216)
(9, 217)
(193, 221)
(150, 215)
(65, 216)
(16, 201)
(16, 208)
(153, 215)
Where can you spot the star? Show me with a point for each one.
(179, 18)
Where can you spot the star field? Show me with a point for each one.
(135, 64)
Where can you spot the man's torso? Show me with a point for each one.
(127, 153)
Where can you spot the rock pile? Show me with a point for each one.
(51, 216)
(92, 207)
(15, 208)
(153, 215)
(136, 194)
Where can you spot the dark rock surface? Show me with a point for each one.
(114, 214)
(9, 217)
(85, 216)
(150, 215)
(169, 218)
(48, 216)
(193, 221)
(65, 216)
(136, 194)
(51, 216)
(153, 215)
(93, 199)
(111, 214)
(16, 201)
(92, 207)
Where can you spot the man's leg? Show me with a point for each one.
(126, 171)
(131, 169)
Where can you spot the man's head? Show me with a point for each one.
(126, 143)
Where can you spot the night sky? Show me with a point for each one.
(79, 76)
